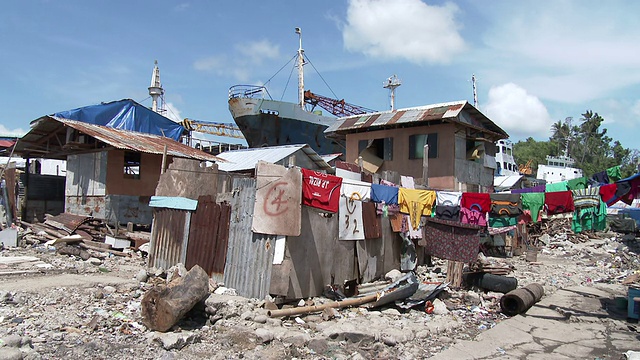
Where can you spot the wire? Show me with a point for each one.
(323, 80)
(283, 66)
(287, 84)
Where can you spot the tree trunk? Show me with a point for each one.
(163, 306)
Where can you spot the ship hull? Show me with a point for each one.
(272, 123)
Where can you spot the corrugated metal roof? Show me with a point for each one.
(246, 159)
(445, 111)
(44, 128)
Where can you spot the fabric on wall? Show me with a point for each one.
(451, 240)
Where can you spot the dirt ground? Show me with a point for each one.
(56, 306)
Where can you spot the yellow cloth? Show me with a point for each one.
(416, 203)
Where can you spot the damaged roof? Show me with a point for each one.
(460, 112)
(48, 138)
(246, 159)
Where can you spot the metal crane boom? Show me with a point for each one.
(219, 129)
(339, 108)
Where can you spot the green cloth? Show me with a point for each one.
(532, 202)
(502, 221)
(559, 186)
(614, 173)
(577, 184)
(593, 218)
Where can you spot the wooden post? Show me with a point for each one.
(164, 159)
(292, 162)
(425, 166)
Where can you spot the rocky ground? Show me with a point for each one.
(56, 306)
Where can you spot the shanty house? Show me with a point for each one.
(111, 172)
(461, 141)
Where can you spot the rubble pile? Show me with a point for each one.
(55, 306)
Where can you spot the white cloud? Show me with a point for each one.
(520, 114)
(247, 56)
(570, 51)
(403, 29)
(4, 131)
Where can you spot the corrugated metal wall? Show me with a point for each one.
(209, 236)
(249, 256)
(169, 237)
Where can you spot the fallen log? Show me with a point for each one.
(163, 306)
(318, 308)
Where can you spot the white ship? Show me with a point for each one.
(558, 168)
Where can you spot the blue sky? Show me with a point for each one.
(536, 61)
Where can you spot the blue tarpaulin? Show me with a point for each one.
(126, 115)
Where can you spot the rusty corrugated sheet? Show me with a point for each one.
(168, 237)
(209, 236)
(370, 221)
(67, 222)
(249, 255)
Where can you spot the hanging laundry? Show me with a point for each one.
(357, 190)
(320, 190)
(593, 218)
(559, 186)
(630, 188)
(614, 173)
(535, 189)
(601, 177)
(473, 217)
(608, 193)
(350, 224)
(370, 221)
(533, 202)
(452, 240)
(505, 204)
(502, 221)
(407, 182)
(579, 183)
(396, 222)
(584, 198)
(448, 212)
(558, 202)
(416, 203)
(476, 201)
(451, 198)
(384, 194)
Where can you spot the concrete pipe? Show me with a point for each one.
(520, 300)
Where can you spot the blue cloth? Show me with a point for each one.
(384, 193)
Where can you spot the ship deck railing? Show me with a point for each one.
(249, 91)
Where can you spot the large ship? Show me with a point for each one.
(267, 122)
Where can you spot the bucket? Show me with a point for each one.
(633, 308)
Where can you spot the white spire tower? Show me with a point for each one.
(156, 91)
(392, 83)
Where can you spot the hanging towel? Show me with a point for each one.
(601, 177)
(476, 201)
(416, 203)
(505, 204)
(451, 198)
(320, 190)
(502, 221)
(608, 193)
(614, 173)
(357, 190)
(384, 194)
(448, 212)
(579, 183)
(533, 202)
(585, 198)
(558, 202)
(473, 217)
(559, 186)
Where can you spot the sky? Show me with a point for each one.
(535, 61)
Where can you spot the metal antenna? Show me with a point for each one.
(475, 92)
(392, 83)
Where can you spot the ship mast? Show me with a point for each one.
(392, 83)
(300, 70)
(475, 93)
(155, 90)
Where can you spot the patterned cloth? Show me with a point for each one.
(452, 240)
(584, 198)
(473, 217)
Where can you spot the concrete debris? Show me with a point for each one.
(59, 306)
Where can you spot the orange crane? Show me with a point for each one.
(526, 168)
(339, 108)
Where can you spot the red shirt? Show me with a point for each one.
(320, 190)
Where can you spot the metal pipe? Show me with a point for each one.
(520, 300)
(316, 308)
